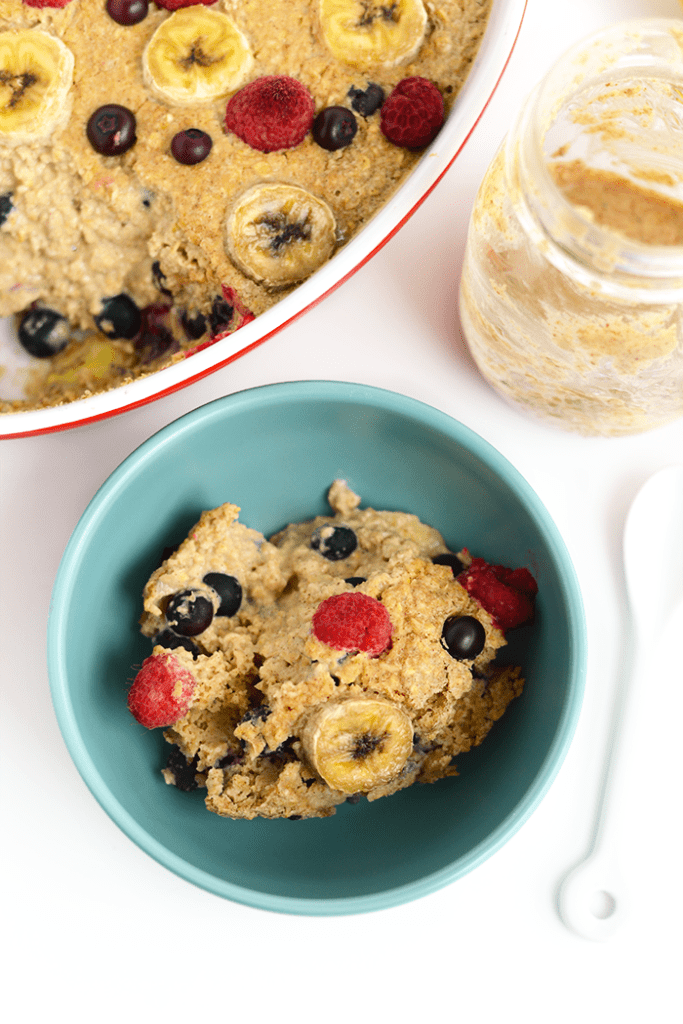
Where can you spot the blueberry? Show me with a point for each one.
(170, 640)
(463, 637)
(43, 332)
(154, 338)
(194, 324)
(152, 346)
(447, 558)
(334, 128)
(189, 612)
(183, 771)
(355, 581)
(366, 102)
(191, 146)
(159, 278)
(5, 206)
(354, 798)
(257, 714)
(127, 12)
(334, 542)
(220, 316)
(111, 130)
(228, 589)
(119, 317)
(228, 760)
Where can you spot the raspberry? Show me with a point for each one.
(506, 594)
(46, 3)
(353, 622)
(412, 114)
(174, 5)
(161, 691)
(273, 112)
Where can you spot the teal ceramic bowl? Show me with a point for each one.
(274, 451)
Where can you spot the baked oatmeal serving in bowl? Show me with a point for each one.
(317, 648)
(180, 180)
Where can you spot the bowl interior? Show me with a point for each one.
(274, 451)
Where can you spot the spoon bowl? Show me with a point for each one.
(655, 523)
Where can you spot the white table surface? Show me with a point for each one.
(96, 928)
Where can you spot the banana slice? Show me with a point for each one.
(279, 234)
(195, 56)
(366, 33)
(358, 744)
(36, 72)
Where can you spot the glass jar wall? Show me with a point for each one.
(571, 298)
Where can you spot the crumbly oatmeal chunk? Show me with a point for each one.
(354, 666)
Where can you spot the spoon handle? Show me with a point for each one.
(592, 897)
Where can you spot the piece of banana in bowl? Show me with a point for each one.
(346, 658)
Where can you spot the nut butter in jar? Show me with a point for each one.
(571, 297)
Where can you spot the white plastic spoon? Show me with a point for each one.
(592, 899)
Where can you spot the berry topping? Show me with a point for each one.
(355, 581)
(161, 692)
(220, 317)
(334, 542)
(191, 146)
(353, 622)
(506, 594)
(366, 102)
(119, 317)
(5, 206)
(228, 589)
(463, 637)
(127, 12)
(46, 3)
(189, 612)
(448, 558)
(155, 337)
(183, 771)
(413, 113)
(43, 332)
(194, 324)
(334, 128)
(160, 278)
(111, 130)
(174, 5)
(272, 112)
(170, 640)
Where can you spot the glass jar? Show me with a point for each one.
(571, 297)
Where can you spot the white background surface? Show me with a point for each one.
(94, 928)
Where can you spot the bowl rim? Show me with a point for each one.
(498, 43)
(295, 392)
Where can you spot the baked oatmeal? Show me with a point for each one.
(169, 171)
(347, 657)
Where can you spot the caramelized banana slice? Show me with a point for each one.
(279, 234)
(358, 744)
(36, 72)
(369, 33)
(196, 56)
